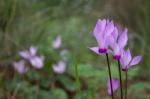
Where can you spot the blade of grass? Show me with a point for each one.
(76, 76)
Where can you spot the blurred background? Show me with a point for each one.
(61, 32)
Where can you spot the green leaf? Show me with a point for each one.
(67, 82)
(59, 93)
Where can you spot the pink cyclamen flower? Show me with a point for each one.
(20, 66)
(60, 67)
(127, 61)
(28, 54)
(57, 42)
(37, 62)
(118, 42)
(115, 86)
(102, 31)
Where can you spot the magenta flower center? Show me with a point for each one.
(124, 69)
(116, 57)
(102, 50)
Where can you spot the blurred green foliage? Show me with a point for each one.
(37, 22)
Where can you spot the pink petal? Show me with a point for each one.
(115, 33)
(33, 51)
(37, 62)
(98, 30)
(110, 41)
(60, 67)
(25, 54)
(108, 29)
(123, 39)
(116, 49)
(125, 59)
(57, 42)
(135, 60)
(115, 86)
(20, 66)
(128, 56)
(95, 49)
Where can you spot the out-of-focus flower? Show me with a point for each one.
(37, 62)
(127, 61)
(20, 66)
(57, 42)
(28, 54)
(102, 31)
(115, 86)
(118, 43)
(60, 67)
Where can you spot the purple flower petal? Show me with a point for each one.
(33, 51)
(108, 29)
(102, 32)
(115, 34)
(20, 67)
(128, 56)
(95, 49)
(28, 54)
(25, 54)
(60, 67)
(57, 42)
(125, 59)
(37, 62)
(135, 60)
(116, 50)
(99, 29)
(115, 86)
(122, 41)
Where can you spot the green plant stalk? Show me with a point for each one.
(120, 79)
(77, 77)
(126, 84)
(110, 77)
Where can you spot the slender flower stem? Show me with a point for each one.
(126, 84)
(110, 77)
(120, 76)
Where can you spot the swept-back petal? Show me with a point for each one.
(60, 67)
(125, 59)
(108, 29)
(56, 44)
(33, 51)
(115, 48)
(135, 60)
(20, 66)
(128, 56)
(122, 41)
(98, 30)
(115, 86)
(110, 41)
(115, 33)
(25, 54)
(37, 62)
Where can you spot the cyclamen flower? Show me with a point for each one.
(127, 61)
(60, 67)
(20, 66)
(115, 86)
(57, 42)
(37, 62)
(102, 31)
(28, 54)
(118, 42)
